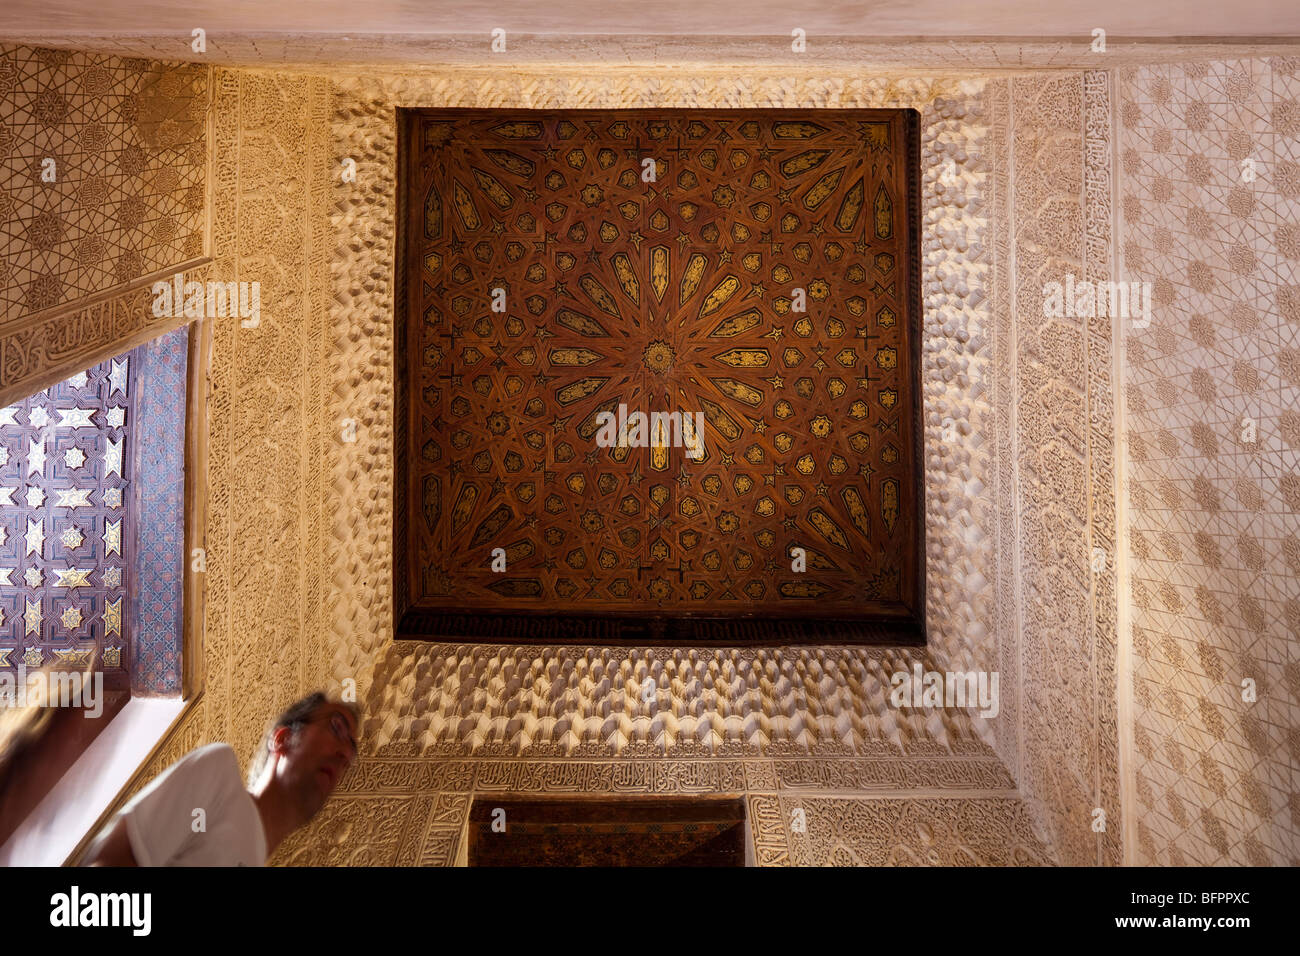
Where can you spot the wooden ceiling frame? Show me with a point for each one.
(480, 190)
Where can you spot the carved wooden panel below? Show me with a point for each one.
(596, 832)
(745, 279)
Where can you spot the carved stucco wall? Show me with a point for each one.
(123, 200)
(1055, 412)
(781, 726)
(124, 196)
(299, 554)
(277, 511)
(1210, 160)
(300, 566)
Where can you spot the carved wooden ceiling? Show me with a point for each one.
(752, 270)
(67, 524)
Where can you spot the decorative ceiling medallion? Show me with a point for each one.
(580, 288)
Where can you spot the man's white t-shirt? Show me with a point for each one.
(161, 822)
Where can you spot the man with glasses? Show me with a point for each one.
(198, 813)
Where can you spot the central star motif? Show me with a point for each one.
(658, 356)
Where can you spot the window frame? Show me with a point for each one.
(66, 803)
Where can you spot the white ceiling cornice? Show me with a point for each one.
(898, 56)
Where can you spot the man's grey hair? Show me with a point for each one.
(298, 714)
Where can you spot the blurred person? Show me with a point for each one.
(28, 704)
(199, 813)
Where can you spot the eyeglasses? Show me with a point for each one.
(341, 730)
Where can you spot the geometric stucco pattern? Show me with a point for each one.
(1000, 438)
(269, 527)
(1210, 159)
(480, 720)
(128, 141)
(473, 720)
(915, 832)
(960, 394)
(414, 814)
(124, 194)
(463, 700)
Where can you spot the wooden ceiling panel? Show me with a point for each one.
(746, 280)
